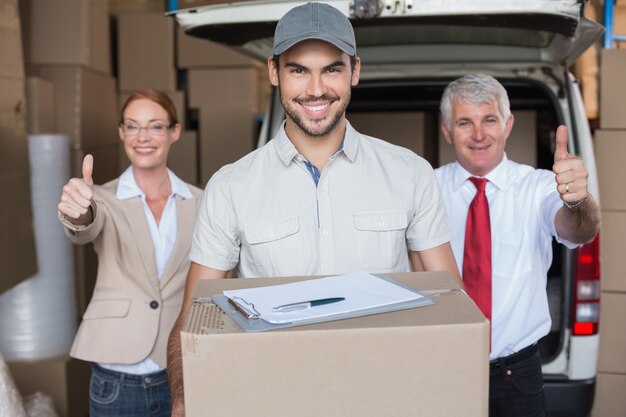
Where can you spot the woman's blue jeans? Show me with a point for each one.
(118, 394)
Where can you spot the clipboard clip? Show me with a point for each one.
(244, 307)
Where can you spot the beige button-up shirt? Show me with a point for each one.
(373, 203)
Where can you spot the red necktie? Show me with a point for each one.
(477, 255)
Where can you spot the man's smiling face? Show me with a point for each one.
(478, 134)
(315, 81)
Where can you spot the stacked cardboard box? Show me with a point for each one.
(118, 7)
(85, 108)
(229, 90)
(586, 68)
(610, 146)
(69, 57)
(71, 90)
(68, 61)
(411, 130)
(188, 4)
(17, 244)
(146, 44)
(40, 106)
(227, 125)
(145, 52)
(73, 32)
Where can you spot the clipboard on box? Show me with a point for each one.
(250, 320)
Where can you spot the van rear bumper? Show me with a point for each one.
(569, 398)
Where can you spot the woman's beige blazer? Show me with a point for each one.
(131, 312)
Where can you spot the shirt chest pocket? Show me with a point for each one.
(274, 247)
(381, 238)
(512, 255)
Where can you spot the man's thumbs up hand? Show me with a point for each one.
(560, 153)
(570, 172)
(77, 195)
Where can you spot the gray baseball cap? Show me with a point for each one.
(314, 21)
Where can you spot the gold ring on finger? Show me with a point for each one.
(566, 188)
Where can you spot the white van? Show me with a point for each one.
(410, 51)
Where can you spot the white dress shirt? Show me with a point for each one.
(523, 202)
(163, 239)
(374, 201)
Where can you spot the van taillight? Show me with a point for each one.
(586, 311)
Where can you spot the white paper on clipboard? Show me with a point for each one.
(362, 292)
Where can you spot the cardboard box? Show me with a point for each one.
(261, 85)
(406, 129)
(265, 89)
(521, 146)
(612, 244)
(224, 137)
(192, 52)
(234, 89)
(177, 97)
(612, 353)
(40, 113)
(226, 99)
(610, 146)
(64, 379)
(86, 104)
(612, 88)
(17, 241)
(72, 32)
(145, 44)
(586, 70)
(106, 165)
(11, 57)
(18, 259)
(610, 400)
(183, 158)
(430, 361)
(117, 7)
(186, 4)
(12, 107)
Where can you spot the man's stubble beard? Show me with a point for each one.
(293, 115)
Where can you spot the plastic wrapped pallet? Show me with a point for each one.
(10, 399)
(39, 405)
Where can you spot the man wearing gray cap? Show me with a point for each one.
(319, 198)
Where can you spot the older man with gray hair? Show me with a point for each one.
(503, 216)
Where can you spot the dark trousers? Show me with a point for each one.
(118, 394)
(516, 385)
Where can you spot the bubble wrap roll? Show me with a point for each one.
(38, 316)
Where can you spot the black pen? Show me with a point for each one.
(306, 304)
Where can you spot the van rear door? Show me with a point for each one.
(547, 31)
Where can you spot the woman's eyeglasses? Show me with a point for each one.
(154, 129)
